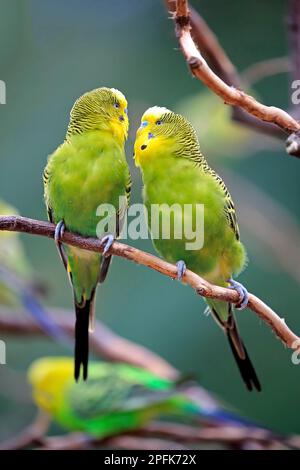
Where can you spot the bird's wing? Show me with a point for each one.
(122, 210)
(46, 179)
(128, 187)
(229, 208)
(109, 393)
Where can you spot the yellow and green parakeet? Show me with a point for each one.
(88, 170)
(174, 171)
(115, 398)
(18, 285)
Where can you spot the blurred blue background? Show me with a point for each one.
(52, 52)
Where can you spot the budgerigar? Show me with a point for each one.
(88, 170)
(18, 285)
(115, 398)
(174, 171)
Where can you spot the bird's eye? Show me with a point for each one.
(158, 123)
(116, 105)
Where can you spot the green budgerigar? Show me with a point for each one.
(176, 173)
(115, 398)
(88, 170)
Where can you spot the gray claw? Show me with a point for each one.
(107, 242)
(181, 267)
(59, 231)
(58, 234)
(243, 293)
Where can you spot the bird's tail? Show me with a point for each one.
(237, 346)
(84, 316)
(188, 402)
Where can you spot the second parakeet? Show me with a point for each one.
(88, 170)
(115, 398)
(176, 174)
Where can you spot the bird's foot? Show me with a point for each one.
(242, 291)
(58, 234)
(107, 242)
(181, 269)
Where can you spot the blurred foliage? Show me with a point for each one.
(50, 53)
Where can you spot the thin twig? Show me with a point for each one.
(200, 285)
(246, 109)
(266, 68)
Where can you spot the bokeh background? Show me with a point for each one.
(50, 53)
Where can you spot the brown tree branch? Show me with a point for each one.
(200, 285)
(225, 81)
(155, 435)
(266, 68)
(104, 342)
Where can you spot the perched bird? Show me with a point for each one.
(174, 171)
(18, 285)
(115, 398)
(88, 170)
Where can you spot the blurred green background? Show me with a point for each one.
(50, 53)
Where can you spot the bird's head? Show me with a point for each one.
(48, 377)
(100, 109)
(161, 130)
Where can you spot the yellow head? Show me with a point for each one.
(49, 377)
(100, 109)
(161, 132)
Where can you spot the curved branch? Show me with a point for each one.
(200, 285)
(226, 84)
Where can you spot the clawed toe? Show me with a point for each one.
(181, 269)
(58, 234)
(242, 291)
(107, 242)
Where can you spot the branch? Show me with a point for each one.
(155, 435)
(104, 342)
(200, 285)
(266, 68)
(246, 109)
(127, 441)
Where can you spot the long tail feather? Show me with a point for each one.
(244, 364)
(238, 348)
(83, 315)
